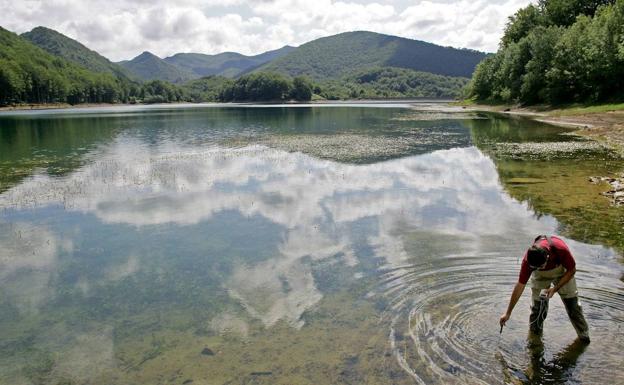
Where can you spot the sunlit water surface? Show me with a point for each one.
(281, 245)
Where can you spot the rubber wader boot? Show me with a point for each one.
(575, 313)
(539, 310)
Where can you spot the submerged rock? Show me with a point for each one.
(263, 373)
(207, 352)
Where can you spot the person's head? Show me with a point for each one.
(537, 256)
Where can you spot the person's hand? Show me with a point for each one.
(504, 318)
(550, 292)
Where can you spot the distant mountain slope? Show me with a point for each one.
(228, 64)
(148, 66)
(62, 46)
(339, 55)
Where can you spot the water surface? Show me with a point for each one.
(289, 245)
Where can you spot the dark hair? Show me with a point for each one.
(536, 256)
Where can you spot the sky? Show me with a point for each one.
(122, 29)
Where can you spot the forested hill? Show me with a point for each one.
(557, 51)
(148, 66)
(62, 46)
(228, 64)
(339, 55)
(29, 74)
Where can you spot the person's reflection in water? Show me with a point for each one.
(559, 370)
(556, 371)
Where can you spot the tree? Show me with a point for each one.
(520, 24)
(302, 88)
(565, 12)
(534, 87)
(261, 86)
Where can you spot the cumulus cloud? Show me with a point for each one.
(122, 29)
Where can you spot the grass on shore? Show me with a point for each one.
(563, 110)
(590, 109)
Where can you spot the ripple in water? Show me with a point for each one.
(444, 310)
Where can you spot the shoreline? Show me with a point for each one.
(57, 106)
(604, 126)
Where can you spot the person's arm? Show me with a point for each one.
(565, 278)
(515, 296)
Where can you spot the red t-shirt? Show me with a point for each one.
(559, 254)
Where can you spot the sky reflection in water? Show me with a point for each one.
(233, 231)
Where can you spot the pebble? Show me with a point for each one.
(616, 194)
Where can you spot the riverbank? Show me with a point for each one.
(604, 123)
(56, 106)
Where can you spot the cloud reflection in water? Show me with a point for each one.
(317, 202)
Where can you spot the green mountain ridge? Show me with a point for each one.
(227, 64)
(148, 66)
(69, 49)
(335, 56)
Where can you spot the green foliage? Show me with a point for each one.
(388, 82)
(302, 89)
(261, 86)
(520, 24)
(206, 89)
(564, 12)
(158, 91)
(545, 59)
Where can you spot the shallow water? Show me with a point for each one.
(290, 245)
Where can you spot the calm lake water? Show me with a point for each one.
(294, 245)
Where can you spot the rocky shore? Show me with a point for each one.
(606, 128)
(616, 193)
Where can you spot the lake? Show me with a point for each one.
(305, 244)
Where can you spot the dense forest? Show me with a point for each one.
(557, 51)
(389, 82)
(266, 86)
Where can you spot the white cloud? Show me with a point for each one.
(122, 29)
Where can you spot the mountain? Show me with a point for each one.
(339, 55)
(28, 74)
(228, 64)
(148, 66)
(62, 46)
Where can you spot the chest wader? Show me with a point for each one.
(543, 279)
